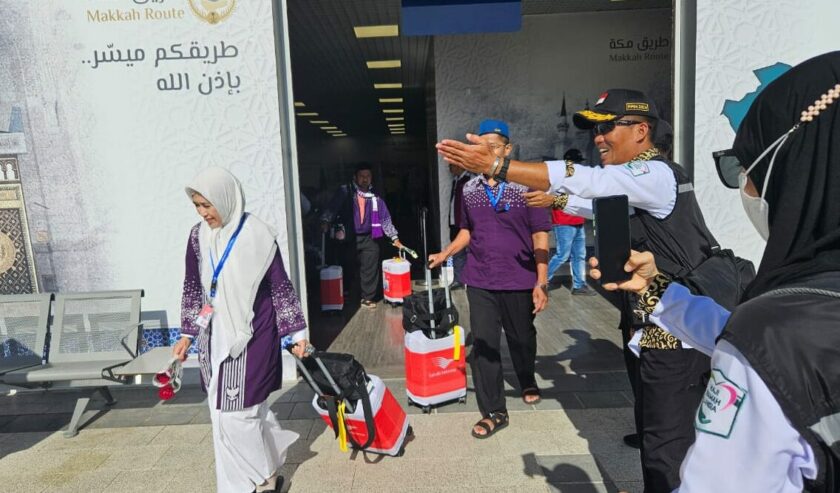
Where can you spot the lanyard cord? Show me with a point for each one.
(217, 269)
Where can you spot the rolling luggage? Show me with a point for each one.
(358, 407)
(435, 356)
(396, 279)
(332, 283)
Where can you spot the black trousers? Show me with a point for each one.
(490, 313)
(670, 387)
(367, 253)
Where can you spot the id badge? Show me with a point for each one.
(204, 316)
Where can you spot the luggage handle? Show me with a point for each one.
(310, 352)
(331, 402)
(323, 262)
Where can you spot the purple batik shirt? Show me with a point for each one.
(500, 255)
(277, 313)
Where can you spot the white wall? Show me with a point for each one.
(522, 78)
(110, 153)
(735, 37)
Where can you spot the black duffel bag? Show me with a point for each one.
(348, 374)
(416, 314)
(351, 379)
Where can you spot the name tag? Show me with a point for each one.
(204, 316)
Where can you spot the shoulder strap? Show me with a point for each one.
(367, 411)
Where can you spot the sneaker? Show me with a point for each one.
(369, 304)
(584, 291)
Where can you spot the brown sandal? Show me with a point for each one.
(499, 421)
(529, 392)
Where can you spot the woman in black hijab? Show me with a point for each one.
(770, 417)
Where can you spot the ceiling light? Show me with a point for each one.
(377, 31)
(397, 133)
(307, 114)
(384, 64)
(339, 135)
(393, 110)
(388, 85)
(390, 100)
(298, 104)
(319, 122)
(396, 125)
(394, 118)
(329, 128)
(334, 131)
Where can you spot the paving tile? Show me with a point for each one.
(181, 435)
(83, 482)
(141, 482)
(301, 410)
(134, 458)
(603, 399)
(26, 483)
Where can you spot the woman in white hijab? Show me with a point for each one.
(238, 304)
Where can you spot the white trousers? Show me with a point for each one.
(249, 445)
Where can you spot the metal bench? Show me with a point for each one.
(92, 335)
(24, 324)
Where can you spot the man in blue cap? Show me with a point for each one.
(506, 275)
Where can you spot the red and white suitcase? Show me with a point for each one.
(389, 421)
(332, 288)
(332, 283)
(373, 423)
(396, 279)
(435, 369)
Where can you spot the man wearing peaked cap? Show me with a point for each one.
(669, 376)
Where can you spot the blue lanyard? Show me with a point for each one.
(217, 269)
(494, 201)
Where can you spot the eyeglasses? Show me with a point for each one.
(607, 127)
(497, 146)
(728, 167)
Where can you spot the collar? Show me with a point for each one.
(647, 155)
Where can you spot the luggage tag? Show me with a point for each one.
(204, 316)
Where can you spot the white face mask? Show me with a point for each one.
(757, 208)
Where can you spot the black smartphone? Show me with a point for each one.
(612, 237)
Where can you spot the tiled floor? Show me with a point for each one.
(571, 442)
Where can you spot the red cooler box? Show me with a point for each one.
(435, 369)
(396, 279)
(389, 419)
(332, 288)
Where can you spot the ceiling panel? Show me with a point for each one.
(328, 62)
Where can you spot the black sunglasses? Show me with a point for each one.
(607, 127)
(728, 167)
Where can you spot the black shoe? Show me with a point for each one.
(633, 440)
(584, 291)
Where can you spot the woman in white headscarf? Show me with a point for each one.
(238, 304)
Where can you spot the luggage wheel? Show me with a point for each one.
(462, 400)
(401, 452)
(409, 432)
(427, 409)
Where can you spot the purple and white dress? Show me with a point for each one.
(249, 444)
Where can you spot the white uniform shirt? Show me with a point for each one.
(744, 443)
(649, 185)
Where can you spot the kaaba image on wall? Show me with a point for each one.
(17, 266)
